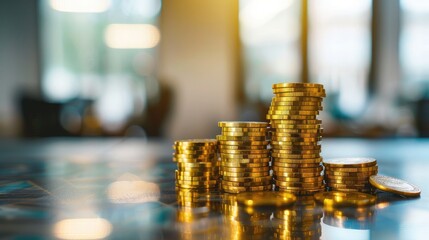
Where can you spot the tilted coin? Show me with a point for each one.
(242, 124)
(345, 199)
(346, 162)
(258, 199)
(394, 185)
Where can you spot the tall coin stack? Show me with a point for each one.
(349, 174)
(296, 133)
(197, 163)
(245, 157)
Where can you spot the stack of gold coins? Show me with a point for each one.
(244, 223)
(349, 174)
(296, 133)
(194, 214)
(197, 163)
(245, 157)
(302, 221)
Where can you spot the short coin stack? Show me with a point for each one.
(349, 174)
(245, 159)
(296, 133)
(197, 163)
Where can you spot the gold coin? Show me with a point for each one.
(295, 126)
(295, 139)
(235, 138)
(351, 169)
(291, 117)
(279, 173)
(298, 131)
(394, 185)
(298, 184)
(244, 174)
(299, 191)
(234, 151)
(252, 165)
(283, 151)
(195, 148)
(243, 156)
(364, 190)
(296, 165)
(195, 186)
(351, 174)
(194, 160)
(241, 148)
(245, 134)
(292, 112)
(245, 160)
(338, 185)
(196, 142)
(298, 161)
(296, 135)
(198, 164)
(196, 169)
(204, 178)
(197, 174)
(259, 199)
(354, 182)
(244, 169)
(295, 85)
(350, 162)
(345, 199)
(244, 143)
(244, 184)
(298, 148)
(298, 89)
(300, 94)
(304, 180)
(232, 189)
(315, 169)
(263, 178)
(296, 108)
(291, 99)
(185, 182)
(298, 103)
(243, 124)
(294, 156)
(274, 144)
(347, 178)
(244, 129)
(196, 152)
(196, 156)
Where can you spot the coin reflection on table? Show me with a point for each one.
(240, 222)
(195, 214)
(302, 221)
(349, 223)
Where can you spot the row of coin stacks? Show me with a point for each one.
(245, 157)
(296, 135)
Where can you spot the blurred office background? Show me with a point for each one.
(172, 69)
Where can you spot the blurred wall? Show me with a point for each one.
(18, 59)
(199, 60)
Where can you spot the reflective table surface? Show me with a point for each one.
(124, 189)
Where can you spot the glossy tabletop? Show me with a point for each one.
(124, 189)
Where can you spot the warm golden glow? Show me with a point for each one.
(82, 228)
(129, 189)
(131, 36)
(82, 6)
